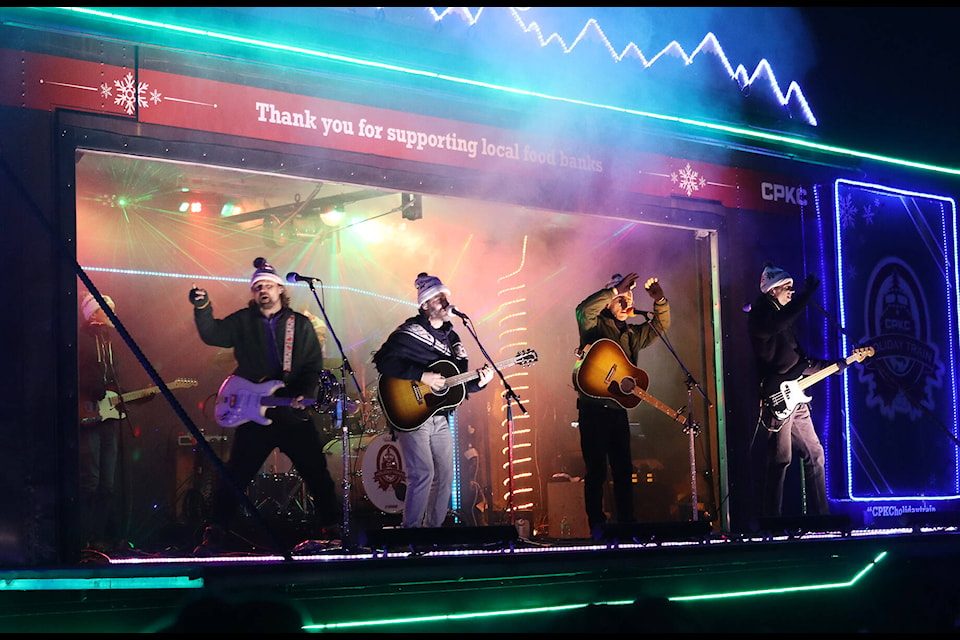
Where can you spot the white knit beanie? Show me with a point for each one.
(773, 277)
(90, 304)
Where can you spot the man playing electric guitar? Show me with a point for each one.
(778, 357)
(99, 439)
(272, 344)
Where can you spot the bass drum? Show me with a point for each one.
(375, 469)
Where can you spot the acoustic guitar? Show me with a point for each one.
(408, 403)
(605, 372)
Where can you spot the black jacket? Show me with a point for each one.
(246, 332)
(414, 345)
(777, 354)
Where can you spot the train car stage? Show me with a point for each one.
(790, 575)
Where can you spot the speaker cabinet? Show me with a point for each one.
(565, 505)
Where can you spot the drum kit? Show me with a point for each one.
(375, 470)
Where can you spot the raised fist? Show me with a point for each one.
(198, 298)
(628, 282)
(653, 287)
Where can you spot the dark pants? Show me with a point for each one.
(295, 435)
(605, 438)
(99, 455)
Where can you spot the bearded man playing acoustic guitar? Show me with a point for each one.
(409, 353)
(604, 424)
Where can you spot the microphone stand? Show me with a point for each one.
(509, 394)
(339, 422)
(691, 428)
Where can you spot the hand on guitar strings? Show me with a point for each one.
(434, 380)
(485, 374)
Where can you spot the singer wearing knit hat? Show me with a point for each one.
(779, 356)
(271, 342)
(409, 353)
(604, 424)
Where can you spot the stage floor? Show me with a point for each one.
(488, 579)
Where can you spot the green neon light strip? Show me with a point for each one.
(738, 131)
(764, 592)
(536, 610)
(454, 616)
(100, 584)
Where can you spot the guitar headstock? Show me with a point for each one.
(862, 353)
(183, 383)
(526, 357)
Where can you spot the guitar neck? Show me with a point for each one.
(130, 396)
(271, 401)
(141, 393)
(470, 375)
(670, 411)
(814, 378)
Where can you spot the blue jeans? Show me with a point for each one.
(428, 461)
(796, 434)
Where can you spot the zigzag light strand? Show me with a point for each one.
(709, 44)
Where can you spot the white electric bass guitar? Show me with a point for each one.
(790, 393)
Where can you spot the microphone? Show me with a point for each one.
(293, 277)
(646, 314)
(457, 312)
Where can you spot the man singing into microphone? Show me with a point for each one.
(407, 354)
(604, 424)
(270, 342)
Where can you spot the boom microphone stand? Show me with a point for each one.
(691, 427)
(338, 421)
(509, 394)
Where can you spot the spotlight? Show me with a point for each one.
(333, 217)
(412, 206)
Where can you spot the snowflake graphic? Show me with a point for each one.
(688, 179)
(130, 96)
(848, 212)
(155, 96)
(105, 90)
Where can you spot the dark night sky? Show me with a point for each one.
(885, 80)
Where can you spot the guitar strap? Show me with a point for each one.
(288, 344)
